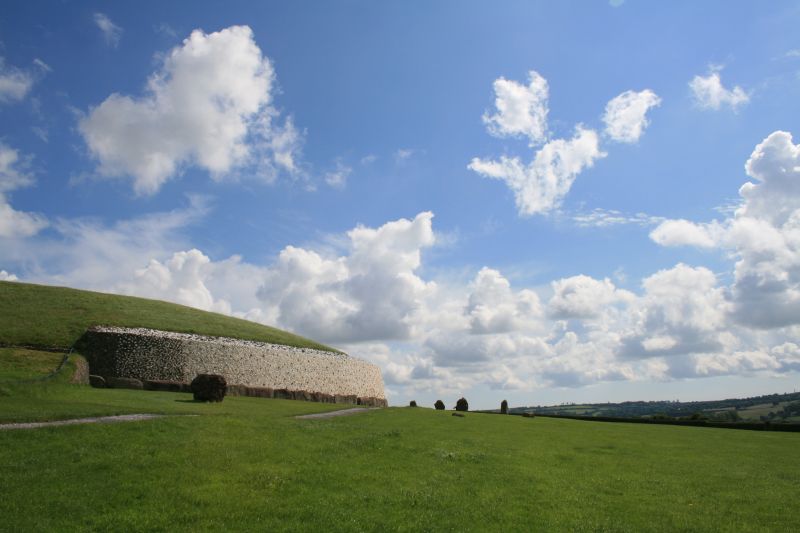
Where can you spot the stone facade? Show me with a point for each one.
(152, 355)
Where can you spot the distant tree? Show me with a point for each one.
(413, 403)
(504, 407)
(462, 405)
(439, 405)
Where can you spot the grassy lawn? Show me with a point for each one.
(247, 464)
(40, 315)
(21, 363)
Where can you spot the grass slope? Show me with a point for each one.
(247, 464)
(39, 315)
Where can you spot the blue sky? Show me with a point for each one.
(533, 201)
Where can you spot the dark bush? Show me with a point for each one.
(209, 387)
(413, 403)
(504, 407)
(439, 405)
(462, 405)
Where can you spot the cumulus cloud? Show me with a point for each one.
(686, 233)
(494, 308)
(520, 110)
(209, 104)
(709, 93)
(13, 223)
(584, 297)
(542, 185)
(7, 276)
(763, 234)
(683, 310)
(111, 32)
(372, 296)
(371, 293)
(180, 279)
(626, 115)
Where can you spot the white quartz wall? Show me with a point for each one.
(148, 354)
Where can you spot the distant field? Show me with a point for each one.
(40, 315)
(246, 464)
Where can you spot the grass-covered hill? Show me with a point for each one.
(55, 317)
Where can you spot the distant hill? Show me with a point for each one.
(773, 408)
(55, 317)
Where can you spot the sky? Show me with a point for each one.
(542, 202)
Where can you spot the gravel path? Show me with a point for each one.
(74, 421)
(343, 412)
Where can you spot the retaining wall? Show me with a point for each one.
(147, 354)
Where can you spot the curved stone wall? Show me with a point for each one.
(148, 354)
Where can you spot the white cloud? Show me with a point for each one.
(584, 297)
(520, 109)
(7, 276)
(337, 178)
(111, 32)
(494, 308)
(180, 279)
(763, 234)
(709, 93)
(685, 233)
(14, 83)
(626, 115)
(603, 218)
(683, 311)
(11, 175)
(13, 223)
(207, 105)
(542, 185)
(87, 253)
(371, 293)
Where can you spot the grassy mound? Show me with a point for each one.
(247, 464)
(55, 317)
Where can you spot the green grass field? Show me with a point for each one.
(247, 464)
(40, 315)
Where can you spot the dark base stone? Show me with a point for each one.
(282, 394)
(163, 385)
(236, 390)
(124, 383)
